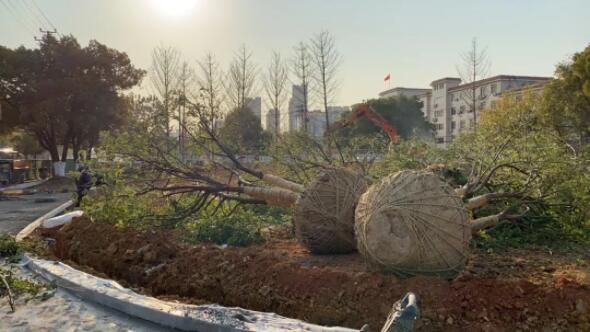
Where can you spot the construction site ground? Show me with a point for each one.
(510, 290)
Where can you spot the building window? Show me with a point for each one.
(453, 111)
(440, 140)
(461, 109)
(438, 113)
(482, 105)
(453, 125)
(435, 105)
(470, 110)
(482, 91)
(493, 88)
(461, 124)
(493, 105)
(470, 123)
(439, 126)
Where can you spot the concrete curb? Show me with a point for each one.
(176, 315)
(39, 221)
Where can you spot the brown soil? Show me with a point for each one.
(509, 291)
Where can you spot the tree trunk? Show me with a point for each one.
(59, 168)
(282, 183)
(273, 196)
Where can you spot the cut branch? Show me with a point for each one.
(494, 220)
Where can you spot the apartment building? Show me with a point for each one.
(450, 105)
(400, 91)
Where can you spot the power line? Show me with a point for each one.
(16, 16)
(42, 13)
(36, 16)
(22, 13)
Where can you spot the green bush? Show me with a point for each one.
(8, 246)
(241, 228)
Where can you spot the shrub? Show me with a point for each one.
(242, 228)
(8, 246)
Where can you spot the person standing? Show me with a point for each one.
(83, 183)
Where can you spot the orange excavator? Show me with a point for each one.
(376, 118)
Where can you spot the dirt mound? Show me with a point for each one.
(283, 277)
(57, 184)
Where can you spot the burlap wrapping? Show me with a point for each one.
(412, 223)
(324, 214)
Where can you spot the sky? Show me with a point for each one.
(415, 41)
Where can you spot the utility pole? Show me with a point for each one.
(47, 34)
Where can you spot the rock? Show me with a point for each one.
(264, 290)
(450, 320)
(112, 249)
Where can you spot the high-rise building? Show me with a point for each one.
(296, 109)
(273, 121)
(255, 105)
(317, 119)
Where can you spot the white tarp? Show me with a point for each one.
(60, 220)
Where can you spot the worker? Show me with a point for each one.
(83, 183)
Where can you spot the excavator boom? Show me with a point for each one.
(364, 110)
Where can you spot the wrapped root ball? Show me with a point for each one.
(324, 214)
(412, 223)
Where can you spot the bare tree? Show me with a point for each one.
(186, 82)
(327, 60)
(240, 83)
(475, 66)
(210, 79)
(301, 67)
(165, 79)
(275, 87)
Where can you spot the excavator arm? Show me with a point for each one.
(364, 110)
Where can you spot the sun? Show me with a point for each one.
(175, 7)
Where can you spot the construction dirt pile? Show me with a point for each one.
(509, 291)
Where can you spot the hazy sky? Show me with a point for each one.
(415, 41)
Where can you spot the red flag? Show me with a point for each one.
(387, 78)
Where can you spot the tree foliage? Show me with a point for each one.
(65, 94)
(534, 173)
(243, 132)
(403, 113)
(567, 100)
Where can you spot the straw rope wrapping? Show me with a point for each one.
(412, 223)
(324, 214)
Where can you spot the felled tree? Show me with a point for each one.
(420, 222)
(328, 204)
